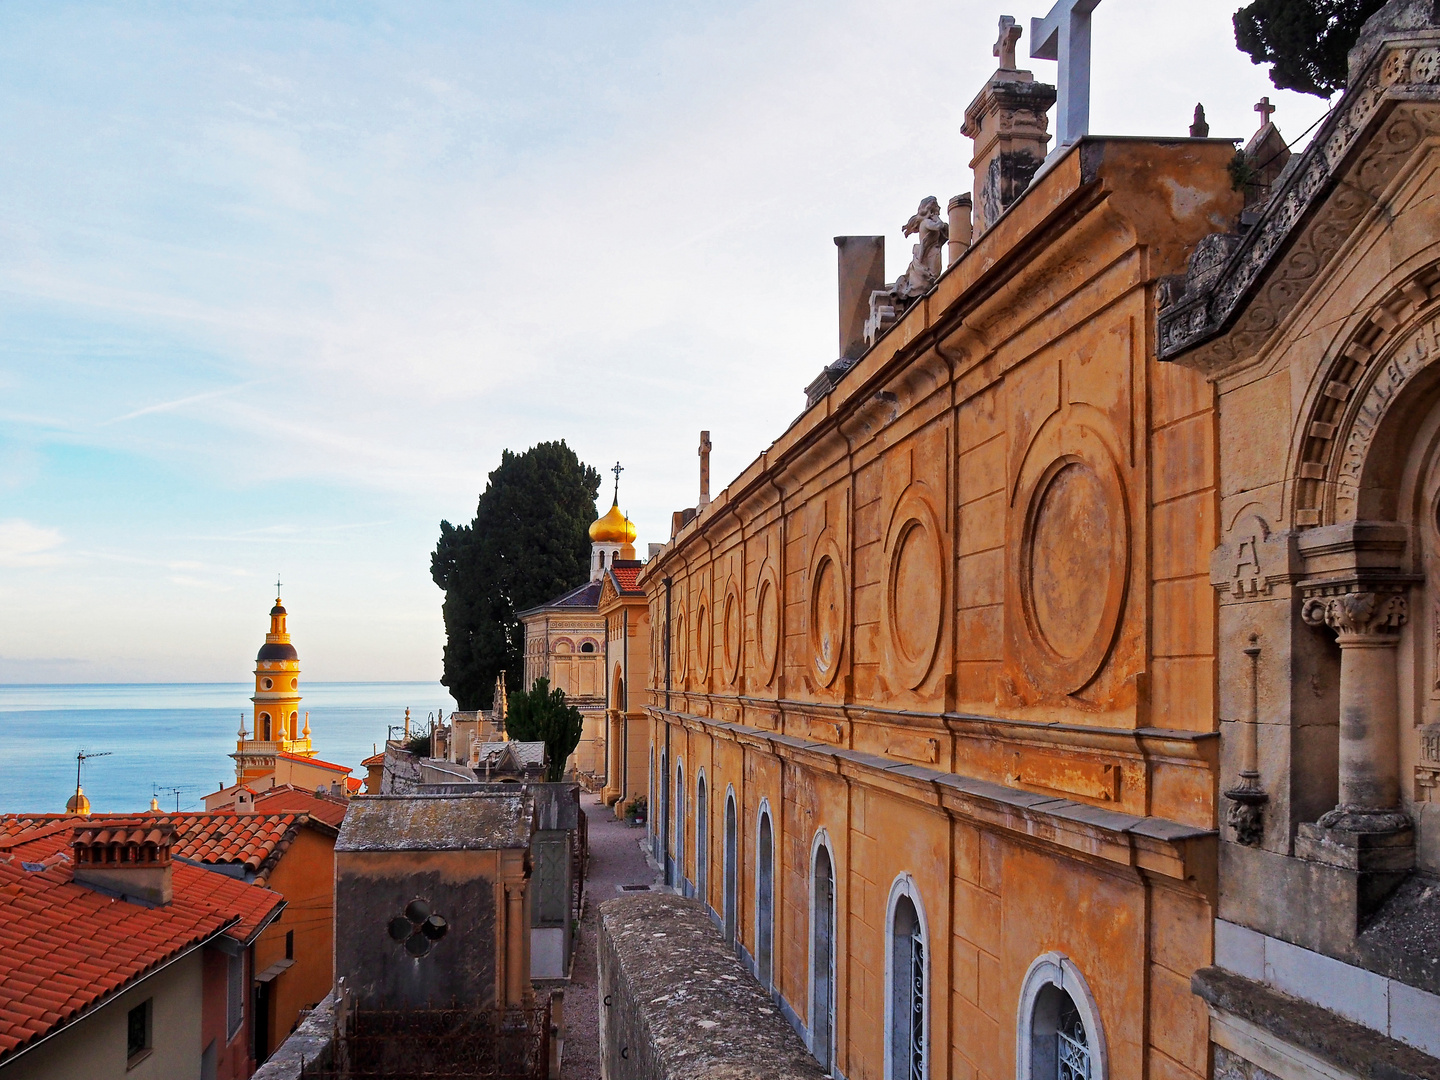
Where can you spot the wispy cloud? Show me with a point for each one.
(180, 403)
(24, 545)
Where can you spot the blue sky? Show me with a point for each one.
(279, 281)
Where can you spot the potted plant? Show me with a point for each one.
(636, 812)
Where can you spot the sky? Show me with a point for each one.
(278, 282)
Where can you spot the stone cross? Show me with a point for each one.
(1005, 44)
(1064, 36)
(1265, 109)
(704, 470)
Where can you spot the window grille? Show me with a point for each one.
(917, 1004)
(1072, 1049)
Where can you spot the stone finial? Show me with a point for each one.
(962, 227)
(1008, 122)
(704, 453)
(1006, 42)
(1199, 128)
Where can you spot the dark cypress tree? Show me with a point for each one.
(527, 544)
(1303, 41)
(543, 715)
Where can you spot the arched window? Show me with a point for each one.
(732, 844)
(650, 805)
(265, 726)
(702, 841)
(764, 897)
(907, 975)
(1058, 1034)
(680, 828)
(822, 954)
(587, 646)
(666, 861)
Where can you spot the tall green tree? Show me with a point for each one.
(543, 715)
(1303, 41)
(527, 544)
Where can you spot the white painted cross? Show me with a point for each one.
(1064, 36)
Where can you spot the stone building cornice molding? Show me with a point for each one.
(1239, 289)
(1154, 846)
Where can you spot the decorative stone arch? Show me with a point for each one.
(589, 645)
(1051, 979)
(764, 900)
(562, 645)
(1362, 405)
(680, 879)
(617, 689)
(904, 900)
(913, 589)
(769, 616)
(820, 1009)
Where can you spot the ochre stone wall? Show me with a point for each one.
(956, 625)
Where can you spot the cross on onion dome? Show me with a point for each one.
(418, 928)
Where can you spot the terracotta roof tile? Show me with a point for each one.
(65, 948)
(313, 761)
(288, 799)
(625, 578)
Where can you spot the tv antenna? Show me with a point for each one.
(177, 792)
(80, 758)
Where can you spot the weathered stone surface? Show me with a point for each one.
(309, 1044)
(675, 1002)
(1349, 1045)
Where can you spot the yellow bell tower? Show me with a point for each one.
(275, 723)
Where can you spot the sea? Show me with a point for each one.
(171, 740)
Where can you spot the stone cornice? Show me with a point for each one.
(1239, 289)
(1153, 845)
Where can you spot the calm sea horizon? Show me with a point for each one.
(163, 736)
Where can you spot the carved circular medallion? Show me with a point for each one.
(731, 622)
(1074, 566)
(827, 612)
(914, 590)
(767, 629)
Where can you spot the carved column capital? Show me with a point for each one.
(1359, 617)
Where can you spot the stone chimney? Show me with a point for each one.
(962, 228)
(704, 472)
(862, 272)
(244, 800)
(1008, 123)
(130, 857)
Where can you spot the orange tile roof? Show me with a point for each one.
(288, 799)
(353, 783)
(65, 948)
(313, 761)
(374, 759)
(626, 577)
(254, 841)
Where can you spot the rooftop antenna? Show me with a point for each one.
(177, 792)
(80, 758)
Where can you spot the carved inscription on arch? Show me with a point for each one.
(1421, 348)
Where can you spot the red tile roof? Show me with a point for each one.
(625, 578)
(253, 841)
(374, 759)
(288, 799)
(313, 761)
(65, 948)
(353, 783)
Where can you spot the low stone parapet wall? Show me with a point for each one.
(675, 1003)
(312, 1043)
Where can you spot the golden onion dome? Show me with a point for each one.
(613, 528)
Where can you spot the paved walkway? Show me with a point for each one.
(616, 858)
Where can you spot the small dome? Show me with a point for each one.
(613, 528)
(78, 803)
(277, 650)
(277, 609)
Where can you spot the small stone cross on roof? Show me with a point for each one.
(1265, 109)
(1005, 43)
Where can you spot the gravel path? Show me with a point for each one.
(616, 858)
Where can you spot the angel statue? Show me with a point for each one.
(924, 270)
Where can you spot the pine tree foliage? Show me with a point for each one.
(542, 715)
(1303, 41)
(527, 544)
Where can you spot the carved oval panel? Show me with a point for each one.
(827, 613)
(1069, 572)
(702, 641)
(767, 630)
(680, 650)
(730, 624)
(1074, 566)
(914, 590)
